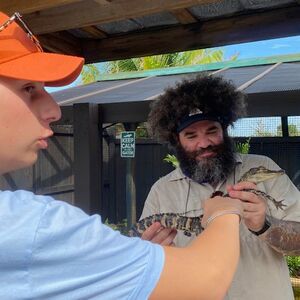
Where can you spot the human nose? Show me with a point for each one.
(50, 111)
(203, 142)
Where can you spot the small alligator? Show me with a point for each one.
(257, 175)
(191, 225)
(188, 225)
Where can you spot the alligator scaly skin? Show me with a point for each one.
(192, 225)
(257, 175)
(277, 203)
(188, 225)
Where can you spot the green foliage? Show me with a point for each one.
(142, 131)
(296, 290)
(243, 147)
(262, 131)
(122, 226)
(89, 74)
(203, 56)
(292, 128)
(293, 263)
(172, 159)
(124, 65)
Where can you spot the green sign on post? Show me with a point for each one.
(128, 144)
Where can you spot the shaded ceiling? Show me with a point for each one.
(102, 30)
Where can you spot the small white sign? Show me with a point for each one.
(127, 144)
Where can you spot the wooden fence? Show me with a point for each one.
(53, 174)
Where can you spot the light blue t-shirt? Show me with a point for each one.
(52, 250)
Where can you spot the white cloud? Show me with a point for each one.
(278, 46)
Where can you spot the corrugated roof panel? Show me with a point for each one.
(160, 19)
(136, 91)
(285, 77)
(220, 8)
(114, 92)
(257, 4)
(119, 26)
(225, 7)
(239, 76)
(87, 89)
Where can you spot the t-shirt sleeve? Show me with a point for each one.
(76, 256)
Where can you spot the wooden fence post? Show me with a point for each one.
(88, 154)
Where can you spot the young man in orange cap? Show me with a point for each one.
(52, 250)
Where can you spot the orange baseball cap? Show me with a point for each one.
(21, 58)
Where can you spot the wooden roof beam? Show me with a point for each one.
(184, 16)
(30, 6)
(59, 42)
(87, 13)
(94, 32)
(103, 1)
(240, 29)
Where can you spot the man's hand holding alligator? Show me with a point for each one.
(254, 206)
(159, 234)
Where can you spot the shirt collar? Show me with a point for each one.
(177, 175)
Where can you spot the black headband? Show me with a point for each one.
(198, 115)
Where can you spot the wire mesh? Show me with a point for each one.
(294, 125)
(257, 127)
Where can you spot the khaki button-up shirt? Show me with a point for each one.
(262, 272)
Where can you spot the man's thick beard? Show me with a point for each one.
(211, 170)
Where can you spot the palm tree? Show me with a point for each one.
(90, 73)
(203, 56)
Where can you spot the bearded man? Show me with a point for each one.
(193, 118)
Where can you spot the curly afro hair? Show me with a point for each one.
(210, 94)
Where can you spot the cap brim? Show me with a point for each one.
(189, 120)
(52, 69)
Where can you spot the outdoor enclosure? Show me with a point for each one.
(54, 172)
(83, 164)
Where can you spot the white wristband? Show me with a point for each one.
(222, 213)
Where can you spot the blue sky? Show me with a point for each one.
(265, 48)
(273, 47)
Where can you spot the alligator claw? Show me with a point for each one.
(279, 204)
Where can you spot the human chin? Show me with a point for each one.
(29, 158)
(17, 164)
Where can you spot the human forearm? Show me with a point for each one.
(220, 243)
(283, 236)
(192, 272)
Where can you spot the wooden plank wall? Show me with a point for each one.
(149, 167)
